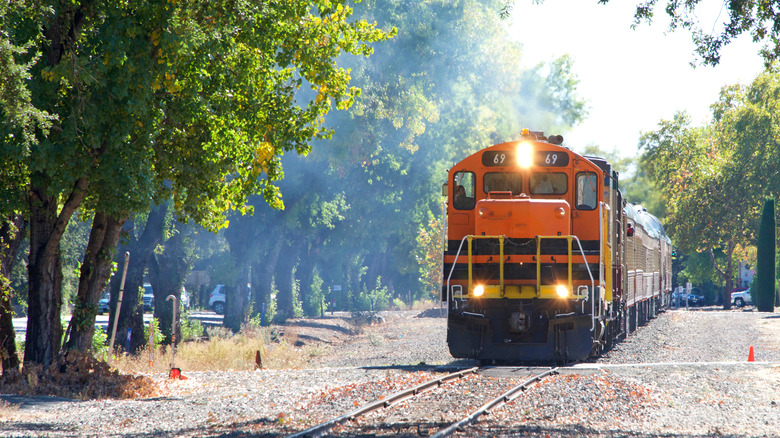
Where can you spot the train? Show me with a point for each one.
(544, 260)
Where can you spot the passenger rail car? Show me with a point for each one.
(544, 259)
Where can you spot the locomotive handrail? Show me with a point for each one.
(452, 269)
(569, 238)
(501, 238)
(469, 237)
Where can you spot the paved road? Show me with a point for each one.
(101, 321)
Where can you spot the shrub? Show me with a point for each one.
(190, 328)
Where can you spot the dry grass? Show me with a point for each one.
(425, 304)
(8, 411)
(79, 376)
(224, 351)
(83, 377)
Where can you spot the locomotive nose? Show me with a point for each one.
(523, 217)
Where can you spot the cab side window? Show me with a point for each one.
(587, 186)
(464, 190)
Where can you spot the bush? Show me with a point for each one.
(99, 344)
(158, 336)
(190, 328)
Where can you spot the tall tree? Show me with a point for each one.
(700, 170)
(193, 100)
(765, 286)
(692, 168)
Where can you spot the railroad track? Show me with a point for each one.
(391, 400)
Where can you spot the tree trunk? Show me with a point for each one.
(263, 272)
(95, 272)
(167, 279)
(44, 329)
(11, 236)
(236, 301)
(726, 276)
(305, 274)
(285, 298)
(131, 315)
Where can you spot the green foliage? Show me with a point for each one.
(206, 92)
(430, 249)
(373, 300)
(635, 184)
(72, 250)
(158, 335)
(698, 268)
(100, 344)
(297, 305)
(693, 170)
(721, 167)
(190, 328)
(765, 259)
(316, 300)
(20, 117)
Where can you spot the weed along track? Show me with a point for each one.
(437, 407)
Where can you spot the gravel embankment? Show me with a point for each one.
(715, 392)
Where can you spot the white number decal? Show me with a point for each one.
(499, 159)
(551, 159)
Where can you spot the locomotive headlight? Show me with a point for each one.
(562, 291)
(525, 155)
(479, 290)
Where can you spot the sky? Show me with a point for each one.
(632, 79)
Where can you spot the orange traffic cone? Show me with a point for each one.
(751, 357)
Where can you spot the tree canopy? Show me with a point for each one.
(714, 177)
(191, 100)
(447, 85)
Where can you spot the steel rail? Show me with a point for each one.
(388, 401)
(496, 402)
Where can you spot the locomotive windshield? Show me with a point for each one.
(503, 182)
(543, 183)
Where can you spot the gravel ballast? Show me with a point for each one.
(684, 374)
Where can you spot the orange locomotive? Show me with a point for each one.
(544, 259)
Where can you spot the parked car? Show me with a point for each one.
(148, 298)
(741, 298)
(693, 299)
(103, 303)
(217, 299)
